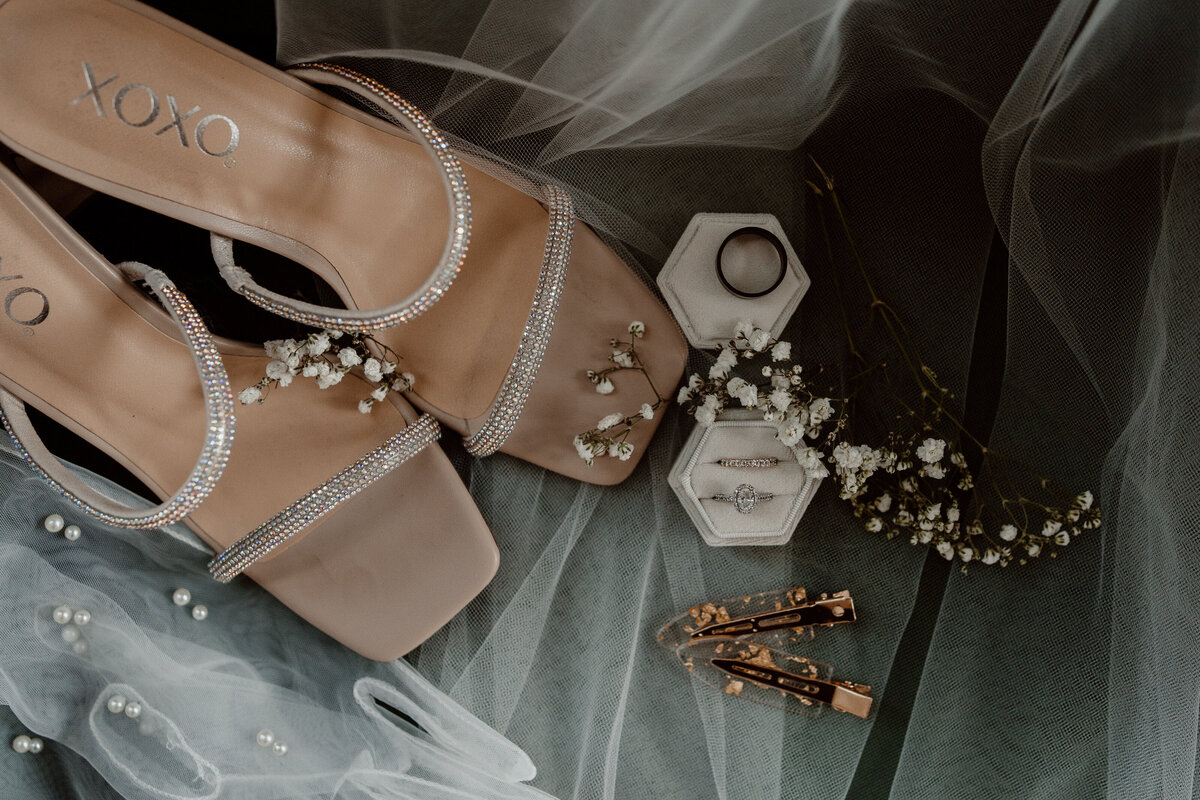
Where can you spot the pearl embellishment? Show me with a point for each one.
(116, 703)
(36, 745)
(133, 709)
(80, 647)
(54, 523)
(70, 634)
(199, 612)
(181, 597)
(265, 738)
(72, 533)
(279, 748)
(21, 743)
(62, 615)
(83, 617)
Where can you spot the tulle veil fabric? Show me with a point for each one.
(1069, 130)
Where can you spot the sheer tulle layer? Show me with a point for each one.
(1071, 130)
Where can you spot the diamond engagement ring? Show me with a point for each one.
(750, 463)
(744, 498)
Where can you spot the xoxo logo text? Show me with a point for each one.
(144, 115)
(21, 304)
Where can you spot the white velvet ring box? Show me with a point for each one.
(708, 312)
(697, 477)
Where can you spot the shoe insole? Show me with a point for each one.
(100, 358)
(125, 100)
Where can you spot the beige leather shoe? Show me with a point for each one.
(498, 303)
(357, 522)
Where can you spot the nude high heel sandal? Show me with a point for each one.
(357, 522)
(497, 302)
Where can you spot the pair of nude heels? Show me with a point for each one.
(356, 521)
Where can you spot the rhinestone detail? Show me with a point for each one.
(749, 463)
(518, 383)
(442, 276)
(218, 402)
(254, 546)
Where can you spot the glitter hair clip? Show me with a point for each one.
(752, 671)
(771, 617)
(732, 645)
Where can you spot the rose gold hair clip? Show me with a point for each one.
(772, 617)
(727, 645)
(771, 677)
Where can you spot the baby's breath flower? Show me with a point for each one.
(781, 399)
(364, 406)
(379, 393)
(329, 378)
(1051, 527)
(605, 386)
(883, 503)
(1062, 538)
(250, 395)
(1084, 501)
(1033, 548)
(276, 370)
(931, 450)
(935, 471)
(874, 525)
(622, 358)
(373, 370)
(647, 411)
(349, 357)
(782, 351)
(705, 415)
(685, 394)
(743, 329)
(945, 550)
(989, 556)
(609, 421)
(318, 343)
(966, 554)
(1008, 532)
(309, 371)
(624, 451)
(790, 432)
(759, 340)
(637, 328)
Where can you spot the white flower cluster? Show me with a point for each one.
(785, 398)
(319, 356)
(609, 436)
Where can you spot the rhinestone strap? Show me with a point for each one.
(455, 252)
(218, 400)
(254, 546)
(510, 402)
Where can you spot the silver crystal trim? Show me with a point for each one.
(261, 541)
(518, 383)
(749, 463)
(219, 421)
(442, 276)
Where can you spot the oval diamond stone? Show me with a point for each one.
(745, 498)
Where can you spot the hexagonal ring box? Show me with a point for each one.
(743, 518)
(705, 309)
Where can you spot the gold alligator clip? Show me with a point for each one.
(772, 677)
(776, 617)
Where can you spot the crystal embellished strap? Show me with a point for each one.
(218, 400)
(261, 541)
(510, 402)
(455, 252)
